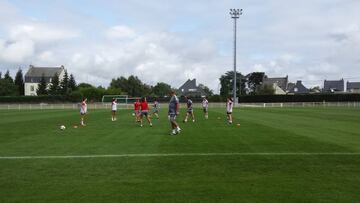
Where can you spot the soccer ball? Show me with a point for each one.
(133, 114)
(62, 127)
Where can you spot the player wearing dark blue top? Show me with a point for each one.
(173, 112)
(189, 110)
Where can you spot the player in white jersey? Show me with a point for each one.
(113, 109)
(205, 106)
(83, 111)
(229, 109)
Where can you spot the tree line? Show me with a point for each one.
(11, 87)
(250, 84)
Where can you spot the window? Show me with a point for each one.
(32, 88)
(296, 89)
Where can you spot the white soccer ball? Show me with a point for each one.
(133, 114)
(62, 127)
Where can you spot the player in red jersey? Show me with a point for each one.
(144, 111)
(137, 111)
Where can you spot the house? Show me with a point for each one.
(34, 74)
(334, 86)
(298, 88)
(353, 87)
(279, 84)
(189, 88)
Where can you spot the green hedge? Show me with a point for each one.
(300, 98)
(41, 99)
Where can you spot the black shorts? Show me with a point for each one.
(228, 113)
(205, 110)
(145, 113)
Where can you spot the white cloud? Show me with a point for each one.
(120, 32)
(40, 32)
(16, 52)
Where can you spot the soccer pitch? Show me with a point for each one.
(276, 155)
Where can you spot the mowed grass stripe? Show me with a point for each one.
(183, 154)
(312, 123)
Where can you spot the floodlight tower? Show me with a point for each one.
(235, 14)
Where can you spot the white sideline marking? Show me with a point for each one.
(186, 154)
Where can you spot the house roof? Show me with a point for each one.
(189, 84)
(337, 85)
(47, 71)
(190, 88)
(281, 82)
(299, 88)
(352, 85)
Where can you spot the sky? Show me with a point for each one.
(172, 41)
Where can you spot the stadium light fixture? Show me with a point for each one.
(235, 14)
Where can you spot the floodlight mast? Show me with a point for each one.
(235, 14)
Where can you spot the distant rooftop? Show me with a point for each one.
(34, 74)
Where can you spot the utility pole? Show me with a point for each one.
(235, 14)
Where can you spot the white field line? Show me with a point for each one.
(184, 154)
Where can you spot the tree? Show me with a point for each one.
(84, 85)
(64, 84)
(161, 89)
(92, 93)
(120, 83)
(255, 80)
(131, 86)
(72, 83)
(207, 90)
(134, 86)
(8, 77)
(113, 91)
(266, 90)
(226, 82)
(7, 86)
(54, 86)
(42, 87)
(0, 75)
(19, 82)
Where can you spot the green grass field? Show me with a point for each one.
(277, 155)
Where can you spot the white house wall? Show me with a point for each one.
(30, 88)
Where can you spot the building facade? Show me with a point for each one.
(34, 74)
(333, 86)
(298, 88)
(353, 87)
(280, 84)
